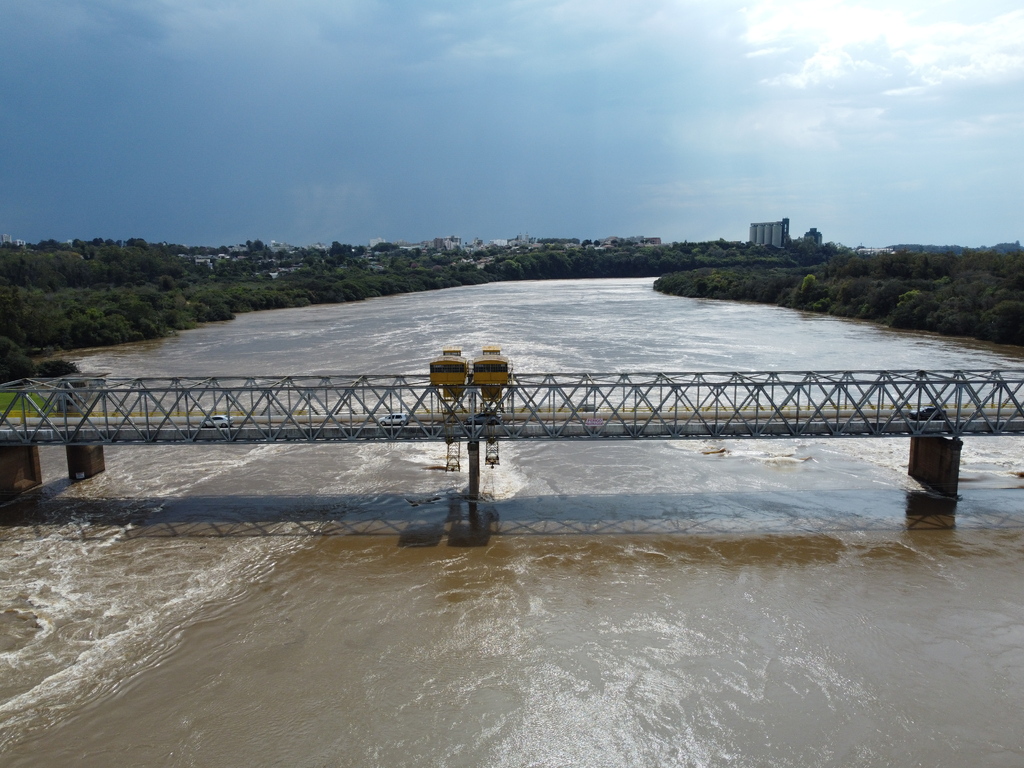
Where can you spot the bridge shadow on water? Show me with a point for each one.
(454, 521)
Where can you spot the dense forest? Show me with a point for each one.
(977, 293)
(61, 296)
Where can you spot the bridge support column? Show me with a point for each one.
(19, 470)
(474, 468)
(84, 461)
(935, 461)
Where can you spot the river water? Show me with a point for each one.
(774, 603)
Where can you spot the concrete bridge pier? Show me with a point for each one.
(474, 469)
(84, 461)
(935, 461)
(19, 470)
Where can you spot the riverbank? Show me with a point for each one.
(976, 294)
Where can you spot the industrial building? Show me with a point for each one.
(774, 233)
(813, 235)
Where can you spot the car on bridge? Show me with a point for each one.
(394, 420)
(488, 419)
(926, 413)
(218, 421)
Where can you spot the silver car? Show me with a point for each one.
(221, 422)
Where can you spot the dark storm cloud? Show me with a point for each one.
(218, 121)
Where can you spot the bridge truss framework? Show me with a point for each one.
(102, 411)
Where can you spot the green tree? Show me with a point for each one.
(14, 363)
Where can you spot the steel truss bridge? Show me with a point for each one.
(82, 411)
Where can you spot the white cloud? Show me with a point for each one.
(831, 64)
(766, 52)
(843, 40)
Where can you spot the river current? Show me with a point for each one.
(705, 603)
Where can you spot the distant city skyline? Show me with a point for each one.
(812, 233)
(207, 121)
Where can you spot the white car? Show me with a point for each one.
(221, 422)
(394, 420)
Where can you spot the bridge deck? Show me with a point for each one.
(84, 411)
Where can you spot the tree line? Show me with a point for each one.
(975, 293)
(63, 296)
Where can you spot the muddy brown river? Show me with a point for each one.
(650, 603)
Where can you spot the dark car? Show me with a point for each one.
(488, 419)
(924, 414)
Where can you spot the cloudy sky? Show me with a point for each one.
(216, 121)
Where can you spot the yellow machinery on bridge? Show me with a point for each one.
(492, 374)
(449, 373)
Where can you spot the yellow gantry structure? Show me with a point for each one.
(490, 377)
(492, 373)
(449, 373)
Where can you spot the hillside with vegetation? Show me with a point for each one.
(62, 296)
(975, 293)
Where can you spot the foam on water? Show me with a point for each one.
(107, 607)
